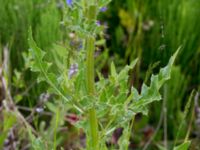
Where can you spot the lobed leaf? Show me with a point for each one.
(151, 93)
(42, 67)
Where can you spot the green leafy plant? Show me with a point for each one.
(103, 105)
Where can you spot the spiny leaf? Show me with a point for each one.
(124, 73)
(39, 65)
(151, 93)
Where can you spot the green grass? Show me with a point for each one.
(153, 30)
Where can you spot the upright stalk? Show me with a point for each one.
(90, 14)
(94, 135)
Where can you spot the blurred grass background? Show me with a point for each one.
(149, 30)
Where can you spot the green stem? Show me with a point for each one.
(94, 135)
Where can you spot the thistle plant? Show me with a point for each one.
(103, 105)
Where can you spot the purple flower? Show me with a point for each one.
(69, 2)
(73, 70)
(77, 44)
(103, 9)
(98, 23)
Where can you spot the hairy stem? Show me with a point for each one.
(94, 135)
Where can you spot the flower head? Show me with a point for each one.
(73, 70)
(69, 2)
(103, 9)
(98, 23)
